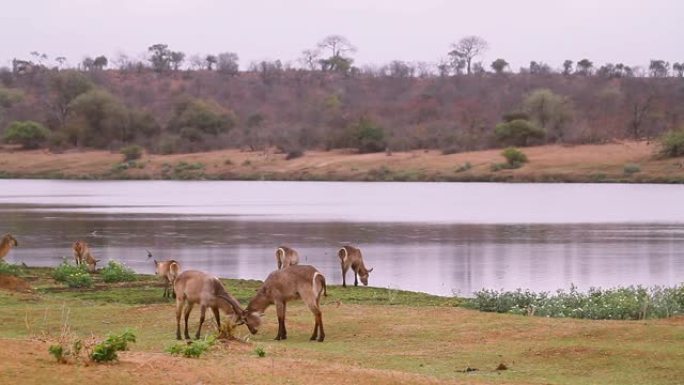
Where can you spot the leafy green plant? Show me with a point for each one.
(72, 275)
(672, 143)
(9, 269)
(192, 349)
(514, 157)
(106, 351)
(132, 152)
(117, 272)
(260, 352)
(57, 351)
(28, 133)
(631, 168)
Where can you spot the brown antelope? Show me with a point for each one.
(168, 271)
(82, 255)
(350, 256)
(6, 244)
(286, 256)
(195, 287)
(281, 286)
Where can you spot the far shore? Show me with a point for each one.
(619, 162)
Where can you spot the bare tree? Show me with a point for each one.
(468, 48)
(338, 45)
(228, 63)
(176, 58)
(659, 68)
(567, 67)
(678, 68)
(310, 58)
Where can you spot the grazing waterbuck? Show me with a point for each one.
(286, 256)
(168, 271)
(195, 287)
(350, 256)
(82, 255)
(282, 286)
(6, 244)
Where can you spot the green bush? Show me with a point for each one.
(260, 352)
(672, 143)
(117, 272)
(626, 303)
(514, 157)
(518, 132)
(193, 349)
(9, 269)
(27, 133)
(132, 152)
(631, 168)
(72, 275)
(57, 351)
(106, 350)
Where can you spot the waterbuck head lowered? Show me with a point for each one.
(251, 319)
(363, 275)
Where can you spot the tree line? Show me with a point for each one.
(172, 103)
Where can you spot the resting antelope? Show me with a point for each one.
(6, 244)
(168, 271)
(195, 287)
(350, 256)
(282, 286)
(286, 256)
(82, 255)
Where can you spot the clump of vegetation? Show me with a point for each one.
(260, 352)
(294, 154)
(464, 167)
(672, 143)
(27, 133)
(57, 351)
(514, 159)
(132, 152)
(518, 132)
(72, 275)
(183, 170)
(193, 349)
(9, 269)
(631, 168)
(106, 350)
(117, 272)
(624, 303)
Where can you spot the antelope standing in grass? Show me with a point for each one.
(286, 256)
(282, 286)
(350, 256)
(6, 244)
(168, 271)
(195, 287)
(82, 255)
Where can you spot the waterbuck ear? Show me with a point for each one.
(371, 269)
(149, 255)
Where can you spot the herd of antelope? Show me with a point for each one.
(191, 287)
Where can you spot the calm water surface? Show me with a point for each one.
(440, 238)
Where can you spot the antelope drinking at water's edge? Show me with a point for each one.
(350, 256)
(286, 256)
(82, 255)
(282, 286)
(6, 244)
(195, 287)
(168, 271)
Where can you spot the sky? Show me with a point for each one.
(629, 31)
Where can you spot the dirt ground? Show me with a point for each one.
(589, 163)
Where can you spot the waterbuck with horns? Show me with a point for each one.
(195, 287)
(286, 256)
(282, 286)
(350, 256)
(6, 244)
(168, 271)
(82, 255)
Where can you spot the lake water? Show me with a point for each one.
(440, 238)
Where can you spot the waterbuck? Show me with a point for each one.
(195, 287)
(6, 244)
(82, 255)
(282, 286)
(286, 256)
(168, 271)
(350, 256)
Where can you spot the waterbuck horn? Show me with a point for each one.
(149, 255)
(371, 269)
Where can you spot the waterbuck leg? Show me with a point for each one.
(344, 276)
(203, 312)
(356, 281)
(317, 314)
(187, 315)
(319, 319)
(217, 317)
(280, 310)
(179, 309)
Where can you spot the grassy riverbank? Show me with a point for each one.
(374, 335)
(614, 162)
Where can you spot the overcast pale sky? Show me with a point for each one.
(628, 31)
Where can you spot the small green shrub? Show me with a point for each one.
(672, 143)
(9, 269)
(72, 275)
(117, 272)
(518, 132)
(132, 152)
(106, 350)
(631, 168)
(28, 133)
(260, 352)
(193, 349)
(514, 157)
(57, 351)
